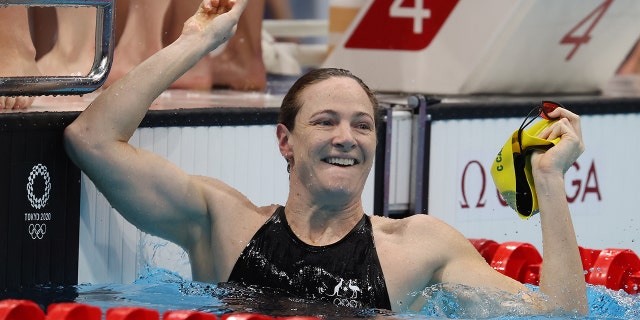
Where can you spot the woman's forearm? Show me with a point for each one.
(116, 113)
(562, 277)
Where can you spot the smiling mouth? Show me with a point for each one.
(342, 162)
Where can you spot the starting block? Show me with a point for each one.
(493, 46)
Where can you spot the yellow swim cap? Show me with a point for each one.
(511, 170)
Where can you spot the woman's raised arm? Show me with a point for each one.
(149, 191)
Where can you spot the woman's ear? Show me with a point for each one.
(284, 144)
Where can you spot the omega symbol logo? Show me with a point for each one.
(39, 202)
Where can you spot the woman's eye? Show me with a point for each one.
(364, 126)
(323, 122)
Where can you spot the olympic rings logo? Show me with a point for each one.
(39, 170)
(37, 230)
(342, 302)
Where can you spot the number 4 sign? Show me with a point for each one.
(490, 46)
(592, 19)
(400, 25)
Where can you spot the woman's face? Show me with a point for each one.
(334, 140)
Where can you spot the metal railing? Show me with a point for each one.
(69, 85)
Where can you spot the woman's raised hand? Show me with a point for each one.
(562, 156)
(215, 20)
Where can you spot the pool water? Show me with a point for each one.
(163, 290)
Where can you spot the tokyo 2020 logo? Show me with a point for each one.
(38, 198)
(39, 202)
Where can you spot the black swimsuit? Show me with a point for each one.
(346, 273)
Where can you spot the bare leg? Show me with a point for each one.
(141, 37)
(239, 66)
(280, 9)
(44, 24)
(122, 12)
(17, 52)
(199, 77)
(74, 51)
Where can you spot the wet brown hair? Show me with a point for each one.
(291, 103)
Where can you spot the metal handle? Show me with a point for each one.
(69, 85)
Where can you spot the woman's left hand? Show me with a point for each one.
(561, 157)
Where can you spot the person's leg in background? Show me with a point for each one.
(238, 65)
(44, 27)
(141, 36)
(74, 48)
(279, 9)
(17, 52)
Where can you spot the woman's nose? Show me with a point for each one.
(344, 137)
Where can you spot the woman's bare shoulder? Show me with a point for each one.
(414, 223)
(267, 211)
(224, 200)
(418, 227)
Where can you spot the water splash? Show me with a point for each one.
(460, 301)
(609, 304)
(164, 290)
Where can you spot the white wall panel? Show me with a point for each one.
(400, 162)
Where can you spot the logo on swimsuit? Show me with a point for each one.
(345, 294)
